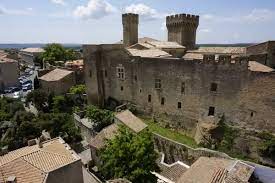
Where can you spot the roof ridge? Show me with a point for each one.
(18, 156)
(33, 165)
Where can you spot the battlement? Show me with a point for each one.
(182, 19)
(130, 18)
(239, 62)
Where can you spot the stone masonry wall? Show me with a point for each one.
(236, 87)
(175, 151)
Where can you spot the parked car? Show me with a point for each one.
(12, 89)
(24, 82)
(22, 78)
(27, 87)
(17, 95)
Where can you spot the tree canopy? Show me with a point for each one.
(78, 89)
(38, 98)
(56, 52)
(129, 156)
(100, 117)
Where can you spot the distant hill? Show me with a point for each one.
(35, 45)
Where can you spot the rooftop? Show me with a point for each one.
(33, 163)
(165, 44)
(107, 133)
(172, 171)
(33, 50)
(217, 170)
(220, 50)
(258, 67)
(5, 60)
(56, 75)
(148, 53)
(131, 121)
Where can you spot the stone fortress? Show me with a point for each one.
(180, 83)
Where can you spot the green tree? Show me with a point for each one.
(70, 55)
(36, 83)
(100, 117)
(129, 156)
(60, 124)
(62, 104)
(38, 98)
(54, 52)
(78, 89)
(267, 148)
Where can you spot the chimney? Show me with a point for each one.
(130, 29)
(11, 179)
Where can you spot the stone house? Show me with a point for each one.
(51, 161)
(128, 119)
(85, 125)
(181, 91)
(57, 81)
(263, 53)
(28, 55)
(9, 73)
(217, 170)
(125, 118)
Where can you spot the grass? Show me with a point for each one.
(169, 133)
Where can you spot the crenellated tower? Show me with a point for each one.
(130, 28)
(182, 29)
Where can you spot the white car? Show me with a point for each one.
(17, 95)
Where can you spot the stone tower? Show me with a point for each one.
(130, 28)
(182, 29)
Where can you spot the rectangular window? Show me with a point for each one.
(149, 98)
(120, 73)
(135, 77)
(90, 73)
(214, 87)
(106, 73)
(182, 88)
(179, 105)
(211, 111)
(157, 84)
(121, 88)
(162, 101)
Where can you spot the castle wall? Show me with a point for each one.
(235, 95)
(263, 53)
(182, 29)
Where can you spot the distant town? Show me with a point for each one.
(139, 110)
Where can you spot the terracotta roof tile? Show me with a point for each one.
(148, 53)
(47, 161)
(33, 163)
(23, 171)
(106, 134)
(131, 121)
(56, 75)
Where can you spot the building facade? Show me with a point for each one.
(57, 81)
(183, 91)
(28, 55)
(9, 73)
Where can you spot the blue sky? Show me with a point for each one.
(99, 21)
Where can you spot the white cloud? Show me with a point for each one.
(60, 2)
(94, 9)
(146, 12)
(259, 15)
(5, 11)
(207, 16)
(254, 16)
(205, 30)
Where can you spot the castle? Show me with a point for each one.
(180, 83)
